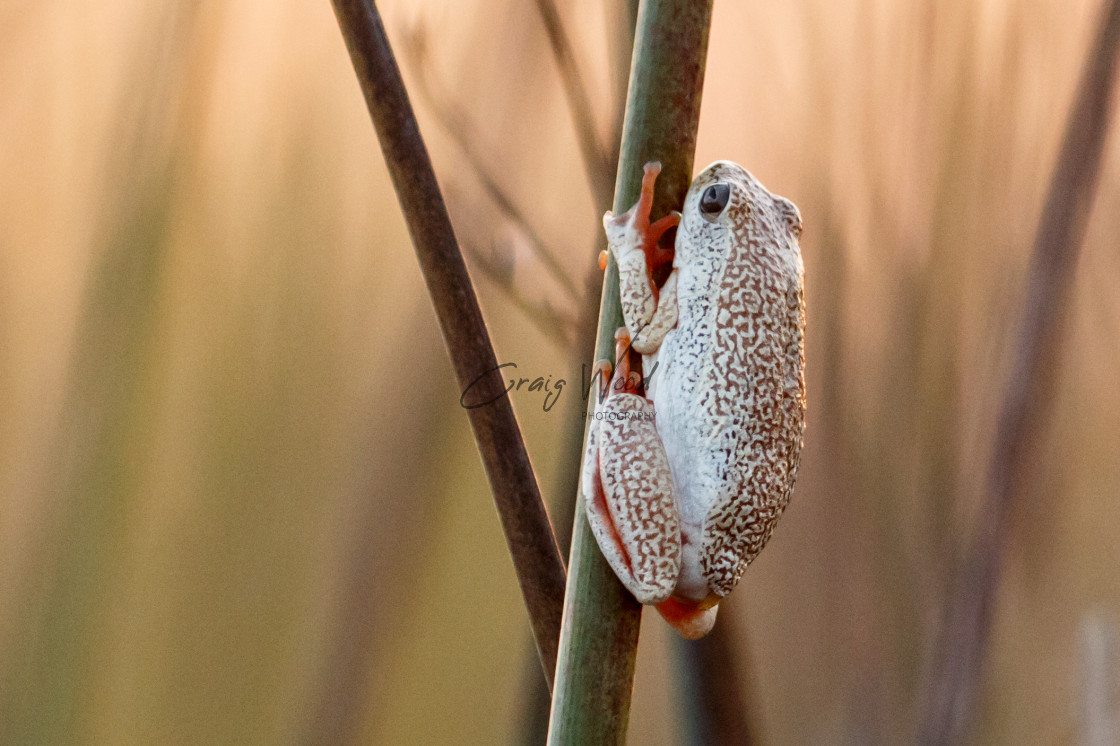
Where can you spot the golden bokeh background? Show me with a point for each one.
(237, 492)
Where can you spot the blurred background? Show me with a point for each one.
(239, 502)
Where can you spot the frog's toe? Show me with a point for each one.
(653, 235)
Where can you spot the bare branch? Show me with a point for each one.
(536, 557)
(554, 325)
(458, 127)
(599, 165)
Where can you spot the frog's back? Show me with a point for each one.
(729, 390)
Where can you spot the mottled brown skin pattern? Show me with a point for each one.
(643, 510)
(757, 381)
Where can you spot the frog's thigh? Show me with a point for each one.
(631, 510)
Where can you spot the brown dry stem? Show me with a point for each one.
(540, 569)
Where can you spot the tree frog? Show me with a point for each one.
(684, 482)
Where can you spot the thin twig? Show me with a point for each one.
(457, 125)
(536, 557)
(621, 50)
(957, 667)
(554, 325)
(599, 165)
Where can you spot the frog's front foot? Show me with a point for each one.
(631, 232)
(649, 312)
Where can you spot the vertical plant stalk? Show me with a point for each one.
(599, 636)
(595, 160)
(537, 698)
(953, 683)
(536, 557)
(714, 692)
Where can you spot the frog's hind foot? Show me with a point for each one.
(692, 621)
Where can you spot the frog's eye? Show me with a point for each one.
(713, 200)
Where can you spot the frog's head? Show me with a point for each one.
(727, 207)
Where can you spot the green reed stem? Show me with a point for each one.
(599, 634)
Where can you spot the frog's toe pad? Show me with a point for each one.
(622, 232)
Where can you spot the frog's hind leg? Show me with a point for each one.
(628, 491)
(598, 514)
